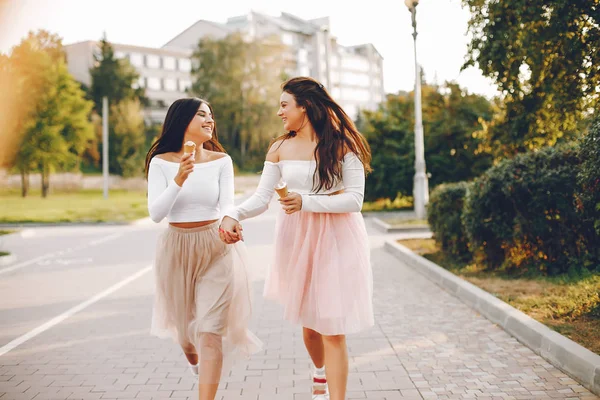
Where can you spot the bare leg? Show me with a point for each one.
(314, 344)
(190, 353)
(336, 359)
(211, 364)
(313, 341)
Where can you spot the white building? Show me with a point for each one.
(164, 73)
(352, 74)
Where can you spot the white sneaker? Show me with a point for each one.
(320, 390)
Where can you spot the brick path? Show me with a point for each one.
(425, 345)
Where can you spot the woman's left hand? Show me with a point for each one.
(291, 203)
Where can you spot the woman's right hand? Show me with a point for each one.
(186, 166)
(230, 230)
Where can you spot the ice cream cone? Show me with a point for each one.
(189, 147)
(281, 189)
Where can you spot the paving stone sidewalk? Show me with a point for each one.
(426, 344)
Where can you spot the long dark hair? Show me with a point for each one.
(179, 116)
(335, 130)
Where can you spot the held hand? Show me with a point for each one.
(230, 230)
(291, 203)
(186, 166)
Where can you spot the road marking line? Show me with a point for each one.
(55, 253)
(70, 312)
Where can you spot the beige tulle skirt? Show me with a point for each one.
(203, 297)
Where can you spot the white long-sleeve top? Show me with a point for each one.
(298, 174)
(206, 194)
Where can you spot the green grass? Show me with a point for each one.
(571, 306)
(4, 253)
(400, 203)
(6, 232)
(80, 206)
(401, 222)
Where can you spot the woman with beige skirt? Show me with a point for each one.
(203, 296)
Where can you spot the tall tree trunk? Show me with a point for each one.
(24, 182)
(45, 181)
(243, 149)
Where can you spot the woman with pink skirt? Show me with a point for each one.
(202, 299)
(322, 272)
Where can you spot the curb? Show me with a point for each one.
(387, 228)
(572, 358)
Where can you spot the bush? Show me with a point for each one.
(521, 214)
(445, 218)
(588, 198)
(589, 177)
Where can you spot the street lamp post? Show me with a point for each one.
(105, 145)
(421, 184)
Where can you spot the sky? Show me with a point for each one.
(441, 25)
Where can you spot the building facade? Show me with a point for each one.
(164, 73)
(352, 74)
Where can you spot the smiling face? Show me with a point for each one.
(291, 114)
(201, 128)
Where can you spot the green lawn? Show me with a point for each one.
(400, 203)
(81, 206)
(570, 306)
(401, 222)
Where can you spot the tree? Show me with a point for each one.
(544, 55)
(11, 111)
(127, 143)
(452, 123)
(242, 82)
(55, 128)
(452, 119)
(390, 135)
(117, 80)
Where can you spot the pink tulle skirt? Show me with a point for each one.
(203, 297)
(322, 272)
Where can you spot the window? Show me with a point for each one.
(351, 110)
(353, 78)
(154, 83)
(335, 77)
(185, 64)
(355, 63)
(357, 95)
(136, 59)
(152, 61)
(302, 56)
(169, 63)
(184, 85)
(170, 84)
(141, 82)
(304, 70)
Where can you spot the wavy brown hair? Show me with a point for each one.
(178, 118)
(336, 133)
